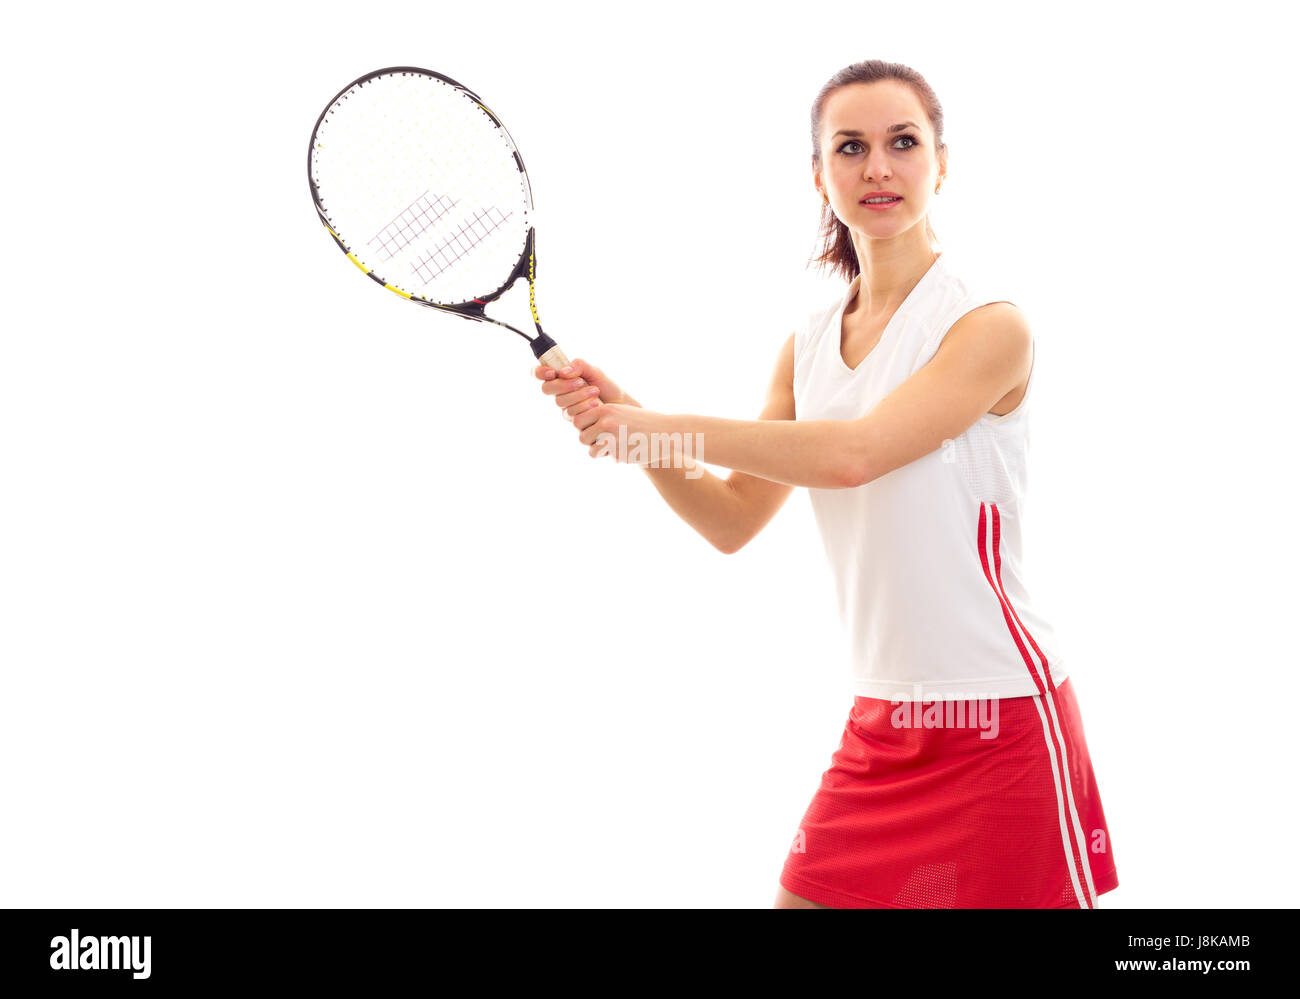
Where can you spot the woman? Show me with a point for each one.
(962, 778)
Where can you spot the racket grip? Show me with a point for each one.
(548, 352)
(554, 358)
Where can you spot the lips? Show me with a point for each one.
(880, 194)
(880, 206)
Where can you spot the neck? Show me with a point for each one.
(890, 269)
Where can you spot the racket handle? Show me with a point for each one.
(548, 352)
(554, 358)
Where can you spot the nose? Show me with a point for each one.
(876, 168)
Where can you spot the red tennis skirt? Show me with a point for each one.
(986, 804)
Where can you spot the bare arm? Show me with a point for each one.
(983, 357)
(728, 512)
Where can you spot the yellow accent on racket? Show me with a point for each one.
(532, 295)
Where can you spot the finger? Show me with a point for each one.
(582, 394)
(578, 368)
(591, 433)
(557, 385)
(584, 415)
(582, 405)
(544, 372)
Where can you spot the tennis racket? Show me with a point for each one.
(423, 189)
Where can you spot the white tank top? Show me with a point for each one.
(927, 559)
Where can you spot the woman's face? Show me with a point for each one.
(876, 137)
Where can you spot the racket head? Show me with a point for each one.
(423, 188)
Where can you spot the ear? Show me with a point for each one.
(817, 179)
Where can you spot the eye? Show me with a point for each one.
(853, 146)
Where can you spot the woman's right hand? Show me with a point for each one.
(573, 386)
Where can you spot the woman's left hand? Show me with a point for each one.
(629, 429)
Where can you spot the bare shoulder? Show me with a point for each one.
(995, 342)
(996, 334)
(997, 324)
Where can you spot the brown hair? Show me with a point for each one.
(837, 243)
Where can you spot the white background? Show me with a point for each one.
(310, 597)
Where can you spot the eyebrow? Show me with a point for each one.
(853, 133)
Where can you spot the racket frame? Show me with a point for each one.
(525, 266)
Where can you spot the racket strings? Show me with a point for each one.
(420, 215)
(461, 242)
